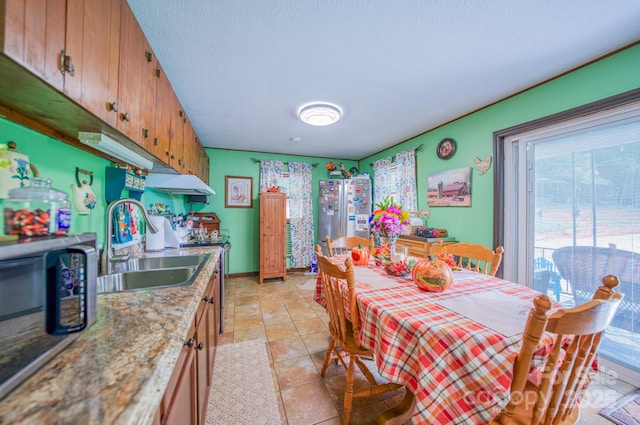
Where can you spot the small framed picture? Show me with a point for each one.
(446, 148)
(239, 192)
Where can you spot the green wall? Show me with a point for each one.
(243, 223)
(58, 161)
(473, 133)
(474, 137)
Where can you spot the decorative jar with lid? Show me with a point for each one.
(37, 210)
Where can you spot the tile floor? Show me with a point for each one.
(294, 327)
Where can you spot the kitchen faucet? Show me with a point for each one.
(108, 256)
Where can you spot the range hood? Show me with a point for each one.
(184, 184)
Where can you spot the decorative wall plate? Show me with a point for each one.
(446, 148)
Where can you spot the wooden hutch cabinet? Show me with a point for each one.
(273, 222)
(422, 247)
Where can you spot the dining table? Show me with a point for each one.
(453, 350)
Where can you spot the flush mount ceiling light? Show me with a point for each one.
(320, 114)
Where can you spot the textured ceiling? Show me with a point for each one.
(242, 68)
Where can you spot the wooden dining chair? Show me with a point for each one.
(566, 371)
(476, 257)
(344, 337)
(344, 244)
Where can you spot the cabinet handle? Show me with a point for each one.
(180, 162)
(190, 342)
(212, 300)
(125, 116)
(66, 64)
(148, 55)
(157, 73)
(200, 346)
(155, 141)
(145, 133)
(205, 299)
(112, 106)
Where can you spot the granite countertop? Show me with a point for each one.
(116, 371)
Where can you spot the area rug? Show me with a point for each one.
(625, 411)
(242, 392)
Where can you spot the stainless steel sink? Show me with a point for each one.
(153, 273)
(153, 263)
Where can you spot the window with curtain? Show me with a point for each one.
(397, 179)
(297, 184)
(301, 214)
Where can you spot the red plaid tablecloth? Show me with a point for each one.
(459, 370)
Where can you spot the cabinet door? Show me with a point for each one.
(272, 229)
(137, 82)
(213, 320)
(34, 36)
(173, 151)
(165, 113)
(180, 398)
(93, 43)
(202, 367)
(188, 151)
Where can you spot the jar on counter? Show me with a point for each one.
(37, 210)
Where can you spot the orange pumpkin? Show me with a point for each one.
(432, 276)
(360, 256)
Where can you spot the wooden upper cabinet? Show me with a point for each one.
(33, 35)
(93, 44)
(137, 82)
(98, 67)
(165, 113)
(173, 151)
(189, 148)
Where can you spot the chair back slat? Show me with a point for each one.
(344, 244)
(476, 257)
(330, 275)
(566, 372)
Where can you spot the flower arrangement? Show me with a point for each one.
(448, 259)
(381, 251)
(397, 268)
(388, 219)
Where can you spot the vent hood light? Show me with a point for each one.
(183, 184)
(104, 143)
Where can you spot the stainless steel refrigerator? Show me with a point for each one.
(344, 207)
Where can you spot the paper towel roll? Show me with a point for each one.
(155, 241)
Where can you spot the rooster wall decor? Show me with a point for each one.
(482, 165)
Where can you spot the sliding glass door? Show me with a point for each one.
(572, 216)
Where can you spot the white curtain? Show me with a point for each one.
(301, 214)
(382, 180)
(270, 174)
(406, 192)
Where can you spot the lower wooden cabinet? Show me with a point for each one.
(178, 404)
(186, 398)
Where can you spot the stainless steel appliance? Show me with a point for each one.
(47, 296)
(222, 241)
(344, 207)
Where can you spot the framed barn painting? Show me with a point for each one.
(450, 188)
